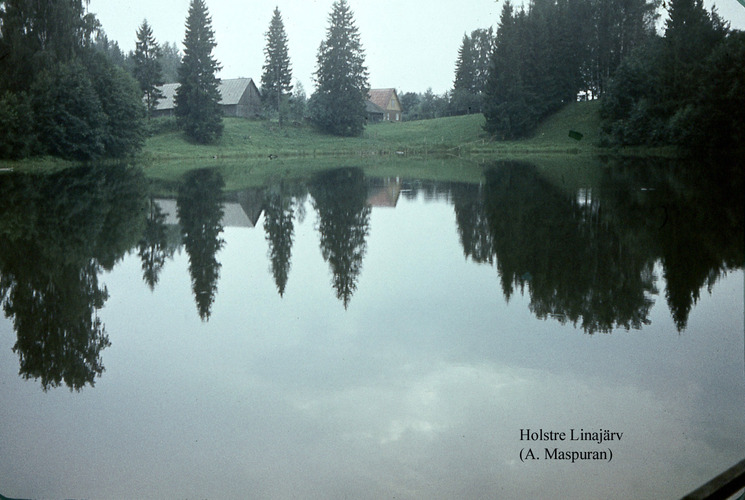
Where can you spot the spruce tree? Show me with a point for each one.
(338, 105)
(471, 70)
(465, 72)
(276, 79)
(509, 106)
(197, 99)
(147, 67)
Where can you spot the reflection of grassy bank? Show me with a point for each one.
(241, 173)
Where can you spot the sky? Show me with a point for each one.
(409, 45)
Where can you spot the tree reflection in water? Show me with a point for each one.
(153, 246)
(279, 226)
(593, 262)
(59, 232)
(340, 199)
(200, 212)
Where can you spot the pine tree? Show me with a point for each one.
(338, 104)
(197, 99)
(276, 80)
(147, 68)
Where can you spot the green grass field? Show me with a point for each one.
(453, 148)
(453, 136)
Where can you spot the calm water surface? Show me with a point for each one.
(357, 337)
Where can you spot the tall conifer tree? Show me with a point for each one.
(276, 80)
(338, 105)
(147, 67)
(197, 99)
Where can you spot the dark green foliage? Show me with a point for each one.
(545, 56)
(147, 67)
(721, 103)
(124, 130)
(68, 116)
(631, 109)
(276, 78)
(16, 122)
(617, 28)
(510, 107)
(200, 212)
(37, 34)
(82, 105)
(471, 72)
(681, 89)
(338, 104)
(197, 99)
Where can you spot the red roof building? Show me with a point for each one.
(387, 101)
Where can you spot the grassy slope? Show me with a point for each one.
(458, 135)
(414, 148)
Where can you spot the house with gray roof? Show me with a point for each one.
(238, 97)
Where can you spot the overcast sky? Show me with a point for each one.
(410, 45)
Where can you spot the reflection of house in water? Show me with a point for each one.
(383, 192)
(241, 209)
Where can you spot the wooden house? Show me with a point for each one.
(387, 101)
(374, 112)
(238, 97)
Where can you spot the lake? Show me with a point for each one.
(571, 333)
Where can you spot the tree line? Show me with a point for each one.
(66, 90)
(676, 87)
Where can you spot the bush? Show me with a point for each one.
(69, 119)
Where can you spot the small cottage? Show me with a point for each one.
(374, 112)
(387, 102)
(238, 97)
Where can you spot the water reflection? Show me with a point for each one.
(59, 232)
(153, 248)
(589, 254)
(200, 211)
(575, 266)
(279, 217)
(340, 199)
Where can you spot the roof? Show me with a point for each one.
(382, 97)
(371, 107)
(169, 92)
(230, 90)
